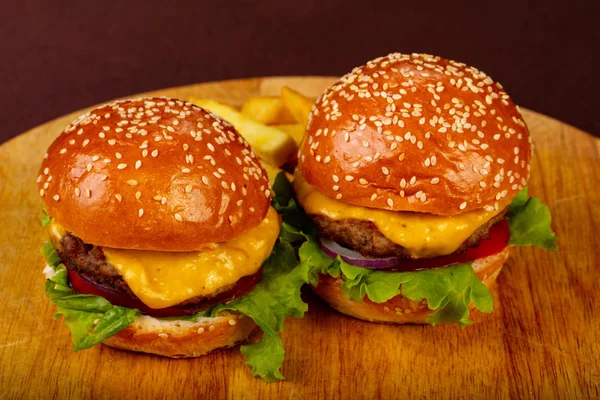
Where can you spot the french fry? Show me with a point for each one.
(270, 144)
(298, 104)
(267, 110)
(295, 130)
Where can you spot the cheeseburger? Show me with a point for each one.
(408, 168)
(159, 219)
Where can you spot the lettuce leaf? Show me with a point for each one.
(530, 223)
(91, 319)
(45, 218)
(275, 298)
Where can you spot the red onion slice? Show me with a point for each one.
(333, 249)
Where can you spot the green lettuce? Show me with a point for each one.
(91, 319)
(45, 218)
(448, 291)
(530, 223)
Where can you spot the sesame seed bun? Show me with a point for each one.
(399, 309)
(416, 133)
(153, 174)
(181, 339)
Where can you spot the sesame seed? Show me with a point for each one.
(178, 217)
(154, 153)
(88, 193)
(349, 178)
(118, 197)
(385, 171)
(435, 181)
(132, 182)
(163, 335)
(211, 328)
(232, 322)
(200, 330)
(138, 194)
(122, 166)
(77, 192)
(390, 202)
(463, 205)
(56, 197)
(138, 164)
(188, 189)
(140, 212)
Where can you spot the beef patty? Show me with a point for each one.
(89, 261)
(364, 237)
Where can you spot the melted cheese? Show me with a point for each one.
(423, 235)
(163, 279)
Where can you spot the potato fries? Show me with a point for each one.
(272, 145)
(298, 104)
(267, 110)
(295, 130)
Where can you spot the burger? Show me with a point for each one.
(161, 234)
(413, 174)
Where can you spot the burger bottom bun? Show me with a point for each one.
(183, 339)
(399, 309)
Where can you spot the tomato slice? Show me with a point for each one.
(83, 285)
(497, 240)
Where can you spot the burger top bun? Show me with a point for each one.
(153, 174)
(414, 132)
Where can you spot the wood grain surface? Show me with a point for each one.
(542, 341)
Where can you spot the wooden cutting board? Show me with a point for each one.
(543, 339)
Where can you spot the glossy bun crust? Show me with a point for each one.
(153, 174)
(416, 133)
(399, 309)
(182, 339)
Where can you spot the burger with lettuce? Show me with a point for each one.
(411, 191)
(162, 238)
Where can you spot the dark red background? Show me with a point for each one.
(59, 56)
